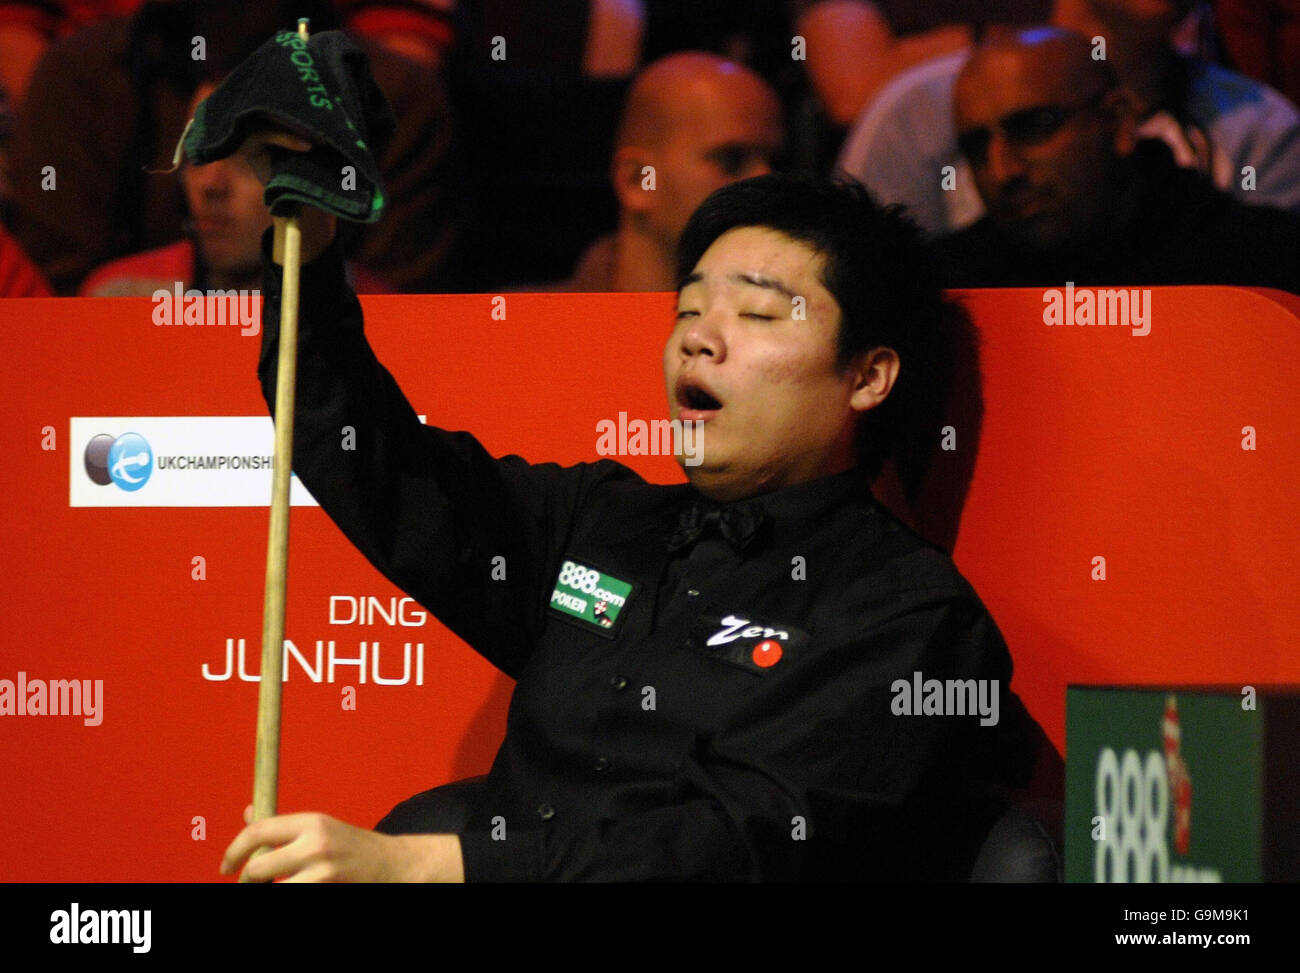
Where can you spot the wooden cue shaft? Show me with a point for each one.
(266, 768)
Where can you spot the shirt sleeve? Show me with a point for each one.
(902, 140)
(1255, 126)
(820, 776)
(430, 509)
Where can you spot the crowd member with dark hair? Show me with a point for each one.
(773, 747)
(1073, 195)
(883, 280)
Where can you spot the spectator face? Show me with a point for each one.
(225, 201)
(736, 138)
(1041, 134)
(776, 410)
(703, 123)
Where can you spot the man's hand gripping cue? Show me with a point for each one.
(317, 226)
(318, 848)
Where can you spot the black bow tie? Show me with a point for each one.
(738, 523)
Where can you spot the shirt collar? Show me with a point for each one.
(803, 503)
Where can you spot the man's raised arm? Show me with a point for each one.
(430, 509)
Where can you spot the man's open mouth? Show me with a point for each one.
(695, 401)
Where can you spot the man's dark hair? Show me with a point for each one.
(878, 268)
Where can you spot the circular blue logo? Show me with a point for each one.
(130, 461)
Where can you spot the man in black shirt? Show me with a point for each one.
(731, 679)
(1073, 195)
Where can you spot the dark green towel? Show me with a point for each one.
(320, 88)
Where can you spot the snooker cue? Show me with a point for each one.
(266, 767)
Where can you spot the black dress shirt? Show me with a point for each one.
(722, 711)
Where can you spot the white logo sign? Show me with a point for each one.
(731, 630)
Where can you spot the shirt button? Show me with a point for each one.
(693, 593)
(617, 683)
(600, 764)
(545, 812)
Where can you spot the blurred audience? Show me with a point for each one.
(594, 38)
(549, 117)
(18, 275)
(1214, 120)
(423, 31)
(540, 111)
(419, 29)
(227, 218)
(109, 102)
(28, 26)
(1262, 39)
(1073, 195)
(856, 47)
(693, 122)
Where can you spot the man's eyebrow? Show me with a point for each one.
(754, 280)
(767, 283)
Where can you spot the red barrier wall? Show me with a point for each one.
(1093, 443)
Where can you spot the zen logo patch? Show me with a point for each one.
(735, 627)
(747, 642)
(587, 595)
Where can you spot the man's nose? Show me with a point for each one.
(1004, 160)
(211, 180)
(704, 337)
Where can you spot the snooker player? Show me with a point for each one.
(771, 607)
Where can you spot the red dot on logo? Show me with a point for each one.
(767, 653)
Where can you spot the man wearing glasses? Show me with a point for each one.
(1214, 120)
(1072, 194)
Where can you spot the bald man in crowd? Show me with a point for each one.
(692, 123)
(1213, 119)
(1072, 193)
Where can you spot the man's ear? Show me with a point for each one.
(627, 173)
(874, 374)
(1121, 108)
